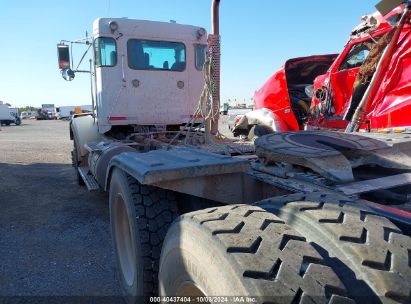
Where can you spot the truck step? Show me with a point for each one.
(88, 179)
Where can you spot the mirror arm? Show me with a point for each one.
(91, 89)
(84, 55)
(71, 55)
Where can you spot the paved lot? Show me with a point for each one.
(54, 235)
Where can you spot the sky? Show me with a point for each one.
(257, 37)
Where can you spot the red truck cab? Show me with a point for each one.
(333, 78)
(285, 94)
(333, 90)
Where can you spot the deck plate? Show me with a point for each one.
(331, 154)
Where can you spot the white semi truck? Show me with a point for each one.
(46, 112)
(317, 217)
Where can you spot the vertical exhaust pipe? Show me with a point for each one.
(215, 15)
(215, 54)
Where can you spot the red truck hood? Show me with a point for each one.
(298, 62)
(274, 94)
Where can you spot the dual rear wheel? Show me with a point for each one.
(292, 249)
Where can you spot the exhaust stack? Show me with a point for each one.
(215, 30)
(215, 54)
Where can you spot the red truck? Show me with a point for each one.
(316, 92)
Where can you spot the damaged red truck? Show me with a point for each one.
(315, 92)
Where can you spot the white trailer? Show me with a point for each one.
(65, 112)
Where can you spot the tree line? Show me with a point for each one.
(28, 109)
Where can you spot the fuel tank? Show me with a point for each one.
(100, 156)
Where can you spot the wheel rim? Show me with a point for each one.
(125, 250)
(189, 289)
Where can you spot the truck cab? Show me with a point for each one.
(146, 76)
(146, 73)
(333, 90)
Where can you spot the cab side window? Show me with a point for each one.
(200, 55)
(356, 56)
(105, 52)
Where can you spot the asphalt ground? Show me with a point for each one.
(55, 243)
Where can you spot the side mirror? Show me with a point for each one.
(67, 74)
(63, 53)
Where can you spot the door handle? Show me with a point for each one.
(122, 68)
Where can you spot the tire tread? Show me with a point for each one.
(271, 256)
(155, 210)
(371, 245)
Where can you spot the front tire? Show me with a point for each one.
(140, 216)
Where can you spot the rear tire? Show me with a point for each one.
(242, 250)
(359, 243)
(140, 217)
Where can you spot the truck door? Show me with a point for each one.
(342, 79)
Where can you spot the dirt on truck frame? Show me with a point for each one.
(294, 217)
